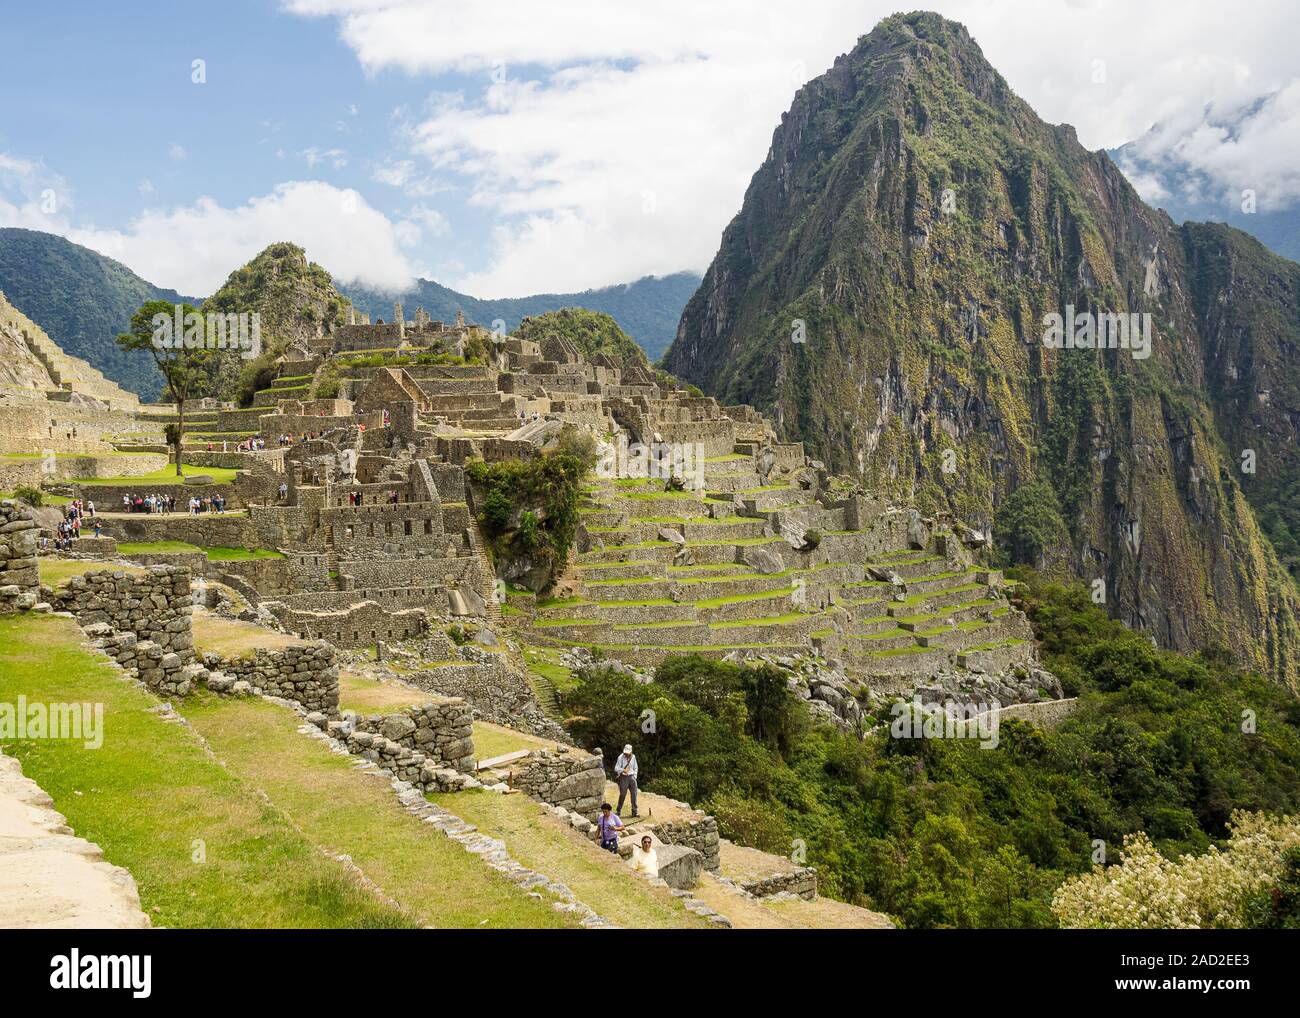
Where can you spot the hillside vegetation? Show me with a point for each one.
(82, 300)
(940, 832)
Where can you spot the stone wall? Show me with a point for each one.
(308, 675)
(442, 730)
(574, 779)
(701, 835)
(156, 606)
(496, 693)
(164, 672)
(19, 576)
(801, 883)
(359, 625)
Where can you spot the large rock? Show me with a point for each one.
(762, 559)
(679, 867)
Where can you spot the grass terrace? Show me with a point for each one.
(166, 475)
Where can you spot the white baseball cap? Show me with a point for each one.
(627, 748)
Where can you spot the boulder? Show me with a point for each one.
(762, 559)
(679, 866)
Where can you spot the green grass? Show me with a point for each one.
(46, 498)
(354, 813)
(151, 797)
(166, 475)
(598, 878)
(240, 554)
(155, 547)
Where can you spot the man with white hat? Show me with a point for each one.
(625, 772)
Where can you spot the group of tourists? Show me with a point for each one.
(165, 505)
(69, 528)
(608, 825)
(251, 444)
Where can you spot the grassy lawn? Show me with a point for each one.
(598, 878)
(150, 797)
(46, 498)
(231, 638)
(496, 740)
(166, 475)
(240, 554)
(356, 813)
(55, 572)
(370, 696)
(155, 547)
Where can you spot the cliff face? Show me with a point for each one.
(883, 291)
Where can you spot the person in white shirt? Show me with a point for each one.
(644, 858)
(625, 772)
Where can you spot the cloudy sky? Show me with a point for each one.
(513, 147)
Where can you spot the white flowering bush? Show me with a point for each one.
(1147, 891)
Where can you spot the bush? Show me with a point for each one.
(749, 821)
(579, 444)
(32, 496)
(496, 511)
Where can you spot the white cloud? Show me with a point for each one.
(337, 157)
(176, 153)
(194, 248)
(32, 197)
(602, 103)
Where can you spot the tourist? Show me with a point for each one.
(284, 491)
(608, 825)
(126, 503)
(90, 507)
(99, 530)
(625, 772)
(644, 857)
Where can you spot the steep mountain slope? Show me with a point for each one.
(82, 300)
(295, 300)
(647, 310)
(883, 293)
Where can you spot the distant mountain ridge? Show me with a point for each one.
(648, 310)
(82, 299)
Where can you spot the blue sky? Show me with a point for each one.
(513, 147)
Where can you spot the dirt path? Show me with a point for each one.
(49, 878)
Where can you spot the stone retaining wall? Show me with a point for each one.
(156, 606)
(801, 883)
(574, 780)
(308, 675)
(442, 730)
(495, 692)
(19, 575)
(701, 835)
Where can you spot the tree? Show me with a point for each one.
(183, 366)
(1029, 523)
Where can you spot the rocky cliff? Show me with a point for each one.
(884, 292)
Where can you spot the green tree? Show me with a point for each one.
(183, 367)
(1029, 522)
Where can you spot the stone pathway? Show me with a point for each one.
(50, 878)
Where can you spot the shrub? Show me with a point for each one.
(496, 511)
(749, 821)
(32, 496)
